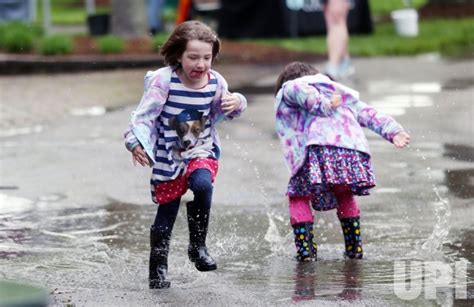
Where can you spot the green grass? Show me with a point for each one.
(68, 12)
(448, 36)
(56, 44)
(454, 37)
(384, 7)
(110, 44)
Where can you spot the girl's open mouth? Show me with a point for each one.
(196, 74)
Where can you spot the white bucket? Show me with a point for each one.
(406, 22)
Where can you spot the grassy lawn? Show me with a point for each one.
(448, 36)
(384, 7)
(72, 12)
(67, 12)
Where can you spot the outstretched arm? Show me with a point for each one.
(381, 124)
(401, 139)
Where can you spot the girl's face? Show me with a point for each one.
(195, 63)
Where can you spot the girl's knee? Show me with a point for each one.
(200, 181)
(201, 186)
(300, 210)
(347, 206)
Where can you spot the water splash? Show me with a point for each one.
(272, 234)
(442, 211)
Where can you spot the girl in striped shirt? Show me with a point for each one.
(173, 130)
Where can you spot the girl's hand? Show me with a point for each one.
(402, 139)
(336, 101)
(140, 156)
(230, 103)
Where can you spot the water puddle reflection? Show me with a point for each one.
(461, 182)
(396, 105)
(458, 84)
(20, 131)
(91, 111)
(459, 152)
(388, 86)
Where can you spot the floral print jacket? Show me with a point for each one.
(304, 117)
(143, 129)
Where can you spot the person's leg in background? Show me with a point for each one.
(348, 213)
(154, 11)
(302, 220)
(337, 38)
(160, 236)
(198, 211)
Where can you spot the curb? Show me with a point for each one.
(17, 64)
(28, 64)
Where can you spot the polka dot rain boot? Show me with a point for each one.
(306, 249)
(352, 237)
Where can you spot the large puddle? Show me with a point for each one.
(99, 255)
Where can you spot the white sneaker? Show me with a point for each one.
(346, 69)
(332, 72)
(343, 71)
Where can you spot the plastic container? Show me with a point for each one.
(406, 22)
(98, 24)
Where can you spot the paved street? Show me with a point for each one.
(62, 161)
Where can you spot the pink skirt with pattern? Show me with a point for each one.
(327, 166)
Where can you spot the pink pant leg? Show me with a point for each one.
(300, 210)
(346, 204)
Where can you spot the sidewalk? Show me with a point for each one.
(32, 102)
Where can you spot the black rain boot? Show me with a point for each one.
(352, 237)
(198, 222)
(306, 249)
(158, 269)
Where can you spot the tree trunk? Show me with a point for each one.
(128, 18)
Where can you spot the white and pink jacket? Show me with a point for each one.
(304, 117)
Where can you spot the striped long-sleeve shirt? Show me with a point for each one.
(164, 96)
(180, 98)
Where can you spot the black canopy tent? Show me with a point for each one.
(272, 18)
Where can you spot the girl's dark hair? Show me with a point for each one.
(176, 44)
(292, 71)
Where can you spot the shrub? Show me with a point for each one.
(56, 44)
(18, 41)
(18, 37)
(110, 44)
(158, 41)
(3, 32)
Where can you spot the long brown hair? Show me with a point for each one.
(176, 44)
(292, 71)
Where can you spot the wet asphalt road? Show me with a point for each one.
(75, 212)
